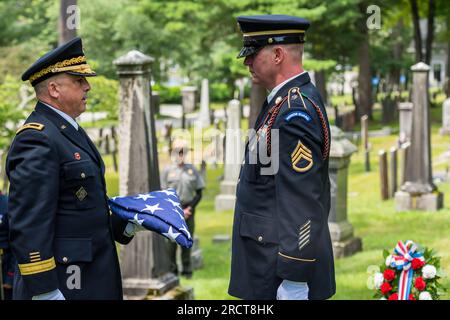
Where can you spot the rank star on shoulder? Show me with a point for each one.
(171, 235)
(152, 209)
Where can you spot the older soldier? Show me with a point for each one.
(61, 231)
(188, 183)
(281, 242)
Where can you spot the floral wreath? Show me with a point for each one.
(409, 274)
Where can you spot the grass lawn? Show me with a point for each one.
(375, 221)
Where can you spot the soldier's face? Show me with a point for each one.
(72, 94)
(261, 67)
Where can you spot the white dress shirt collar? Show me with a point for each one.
(278, 87)
(66, 117)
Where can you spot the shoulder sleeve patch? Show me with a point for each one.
(297, 114)
(31, 125)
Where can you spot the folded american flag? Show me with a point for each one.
(158, 211)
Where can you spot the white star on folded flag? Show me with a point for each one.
(144, 197)
(181, 216)
(171, 235)
(152, 209)
(136, 220)
(187, 231)
(174, 203)
(169, 193)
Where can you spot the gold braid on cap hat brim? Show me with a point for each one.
(66, 65)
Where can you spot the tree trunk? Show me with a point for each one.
(321, 85)
(397, 53)
(68, 20)
(430, 31)
(364, 79)
(257, 96)
(417, 33)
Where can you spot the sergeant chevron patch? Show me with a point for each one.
(302, 159)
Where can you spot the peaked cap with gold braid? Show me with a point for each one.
(68, 58)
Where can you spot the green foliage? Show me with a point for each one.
(220, 92)
(103, 96)
(10, 112)
(168, 94)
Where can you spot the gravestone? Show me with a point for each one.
(405, 121)
(189, 101)
(341, 230)
(419, 192)
(145, 262)
(204, 117)
(233, 158)
(445, 130)
(365, 141)
(393, 172)
(384, 183)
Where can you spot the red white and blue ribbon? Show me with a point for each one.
(404, 253)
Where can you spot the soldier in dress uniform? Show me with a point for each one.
(281, 245)
(188, 183)
(61, 230)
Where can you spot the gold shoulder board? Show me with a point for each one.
(31, 125)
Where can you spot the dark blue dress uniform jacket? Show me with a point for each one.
(280, 228)
(58, 212)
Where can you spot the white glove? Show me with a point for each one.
(52, 295)
(290, 290)
(131, 229)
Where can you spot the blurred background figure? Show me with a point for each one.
(188, 183)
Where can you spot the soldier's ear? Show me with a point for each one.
(279, 54)
(53, 89)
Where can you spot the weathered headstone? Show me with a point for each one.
(393, 172)
(204, 116)
(384, 183)
(145, 263)
(233, 158)
(189, 101)
(405, 121)
(419, 192)
(365, 141)
(445, 130)
(341, 230)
